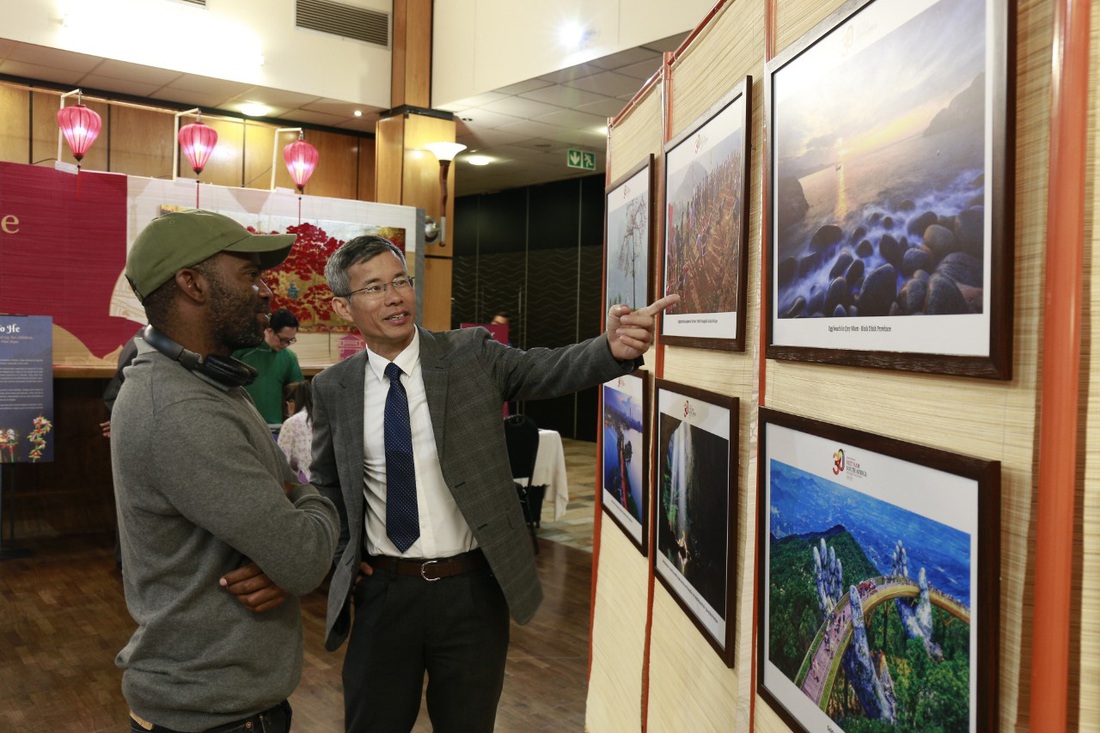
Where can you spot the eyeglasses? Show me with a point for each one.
(377, 290)
(287, 342)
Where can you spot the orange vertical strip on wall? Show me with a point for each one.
(1058, 422)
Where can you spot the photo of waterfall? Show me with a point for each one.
(696, 455)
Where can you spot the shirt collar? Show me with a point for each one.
(407, 359)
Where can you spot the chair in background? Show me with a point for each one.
(522, 436)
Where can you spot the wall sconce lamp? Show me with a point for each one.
(79, 125)
(445, 152)
(197, 141)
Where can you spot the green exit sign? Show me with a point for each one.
(581, 159)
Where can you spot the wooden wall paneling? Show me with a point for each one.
(141, 142)
(728, 49)
(258, 142)
(366, 161)
(337, 165)
(226, 164)
(389, 161)
(436, 315)
(15, 126)
(411, 70)
(618, 633)
(421, 174)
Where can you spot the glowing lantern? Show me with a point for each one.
(80, 126)
(197, 141)
(301, 159)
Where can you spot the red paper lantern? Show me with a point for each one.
(301, 159)
(80, 126)
(197, 141)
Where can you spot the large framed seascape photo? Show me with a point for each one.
(624, 466)
(706, 192)
(879, 567)
(628, 232)
(890, 189)
(695, 504)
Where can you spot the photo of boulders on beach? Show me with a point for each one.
(880, 185)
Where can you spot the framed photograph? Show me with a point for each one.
(879, 573)
(890, 189)
(706, 209)
(695, 506)
(628, 231)
(624, 466)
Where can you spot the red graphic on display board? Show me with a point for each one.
(62, 247)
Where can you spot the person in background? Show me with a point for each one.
(110, 394)
(434, 551)
(501, 319)
(218, 537)
(277, 365)
(296, 436)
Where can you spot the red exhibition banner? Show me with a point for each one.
(62, 246)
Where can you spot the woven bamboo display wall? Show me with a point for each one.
(687, 686)
(615, 681)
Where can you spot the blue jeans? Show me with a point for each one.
(274, 720)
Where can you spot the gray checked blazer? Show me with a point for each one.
(467, 377)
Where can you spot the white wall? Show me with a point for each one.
(482, 45)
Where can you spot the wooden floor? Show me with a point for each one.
(63, 618)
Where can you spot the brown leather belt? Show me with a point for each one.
(430, 569)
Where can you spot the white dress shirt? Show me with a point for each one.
(443, 530)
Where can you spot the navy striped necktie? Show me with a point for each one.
(402, 515)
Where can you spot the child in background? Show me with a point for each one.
(296, 435)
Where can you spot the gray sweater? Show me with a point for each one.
(199, 490)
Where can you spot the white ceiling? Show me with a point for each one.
(527, 128)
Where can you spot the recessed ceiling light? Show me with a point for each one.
(478, 159)
(254, 109)
(358, 113)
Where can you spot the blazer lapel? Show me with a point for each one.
(433, 370)
(349, 422)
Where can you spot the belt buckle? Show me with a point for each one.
(424, 566)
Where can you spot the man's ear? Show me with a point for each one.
(192, 284)
(340, 307)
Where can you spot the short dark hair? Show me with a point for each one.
(281, 319)
(352, 252)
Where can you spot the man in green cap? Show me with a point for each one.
(218, 538)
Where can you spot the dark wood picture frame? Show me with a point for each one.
(841, 510)
(628, 237)
(890, 188)
(695, 506)
(624, 462)
(705, 254)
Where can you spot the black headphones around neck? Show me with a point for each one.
(226, 371)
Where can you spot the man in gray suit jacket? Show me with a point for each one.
(438, 600)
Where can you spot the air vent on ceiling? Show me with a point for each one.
(372, 26)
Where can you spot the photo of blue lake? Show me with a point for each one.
(801, 503)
